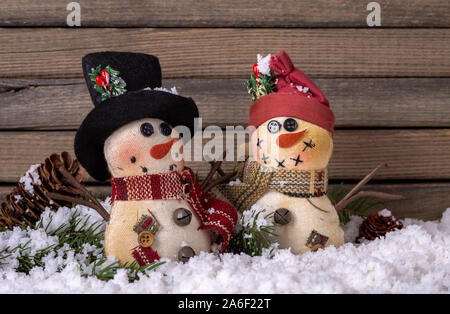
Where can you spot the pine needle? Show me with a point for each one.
(73, 238)
(256, 238)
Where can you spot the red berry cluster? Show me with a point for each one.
(103, 79)
(256, 72)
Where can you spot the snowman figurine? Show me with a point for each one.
(158, 208)
(291, 142)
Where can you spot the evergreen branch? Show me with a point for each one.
(256, 238)
(260, 85)
(133, 271)
(73, 237)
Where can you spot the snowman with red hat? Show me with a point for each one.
(291, 143)
(130, 138)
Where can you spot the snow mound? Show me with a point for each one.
(415, 259)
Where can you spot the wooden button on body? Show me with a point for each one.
(146, 239)
(316, 247)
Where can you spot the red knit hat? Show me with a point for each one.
(290, 93)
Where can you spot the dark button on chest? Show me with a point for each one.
(182, 217)
(282, 216)
(185, 253)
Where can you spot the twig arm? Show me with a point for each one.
(81, 187)
(381, 195)
(219, 180)
(215, 167)
(353, 195)
(219, 170)
(90, 200)
(100, 210)
(213, 170)
(360, 184)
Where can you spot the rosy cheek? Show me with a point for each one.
(124, 153)
(306, 157)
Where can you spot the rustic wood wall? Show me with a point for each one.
(388, 85)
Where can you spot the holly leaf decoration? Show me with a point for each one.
(260, 85)
(108, 85)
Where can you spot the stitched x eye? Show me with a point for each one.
(146, 129)
(274, 126)
(290, 125)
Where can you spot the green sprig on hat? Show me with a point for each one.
(261, 81)
(107, 81)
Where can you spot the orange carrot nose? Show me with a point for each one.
(289, 139)
(161, 150)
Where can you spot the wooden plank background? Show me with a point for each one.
(411, 154)
(230, 13)
(230, 52)
(62, 104)
(388, 86)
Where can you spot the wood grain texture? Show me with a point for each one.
(403, 102)
(411, 154)
(230, 13)
(230, 53)
(426, 201)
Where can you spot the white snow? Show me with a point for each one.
(235, 182)
(264, 64)
(415, 259)
(211, 210)
(248, 217)
(183, 244)
(31, 178)
(351, 229)
(385, 213)
(302, 89)
(173, 90)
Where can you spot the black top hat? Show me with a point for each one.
(117, 82)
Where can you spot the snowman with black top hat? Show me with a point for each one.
(158, 208)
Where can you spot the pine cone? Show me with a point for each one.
(236, 244)
(375, 226)
(28, 199)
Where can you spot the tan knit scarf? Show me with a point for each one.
(258, 179)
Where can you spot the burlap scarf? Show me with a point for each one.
(214, 214)
(257, 180)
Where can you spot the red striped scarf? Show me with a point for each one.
(214, 214)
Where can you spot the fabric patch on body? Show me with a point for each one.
(316, 240)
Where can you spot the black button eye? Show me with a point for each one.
(133, 159)
(290, 125)
(274, 126)
(146, 129)
(165, 129)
